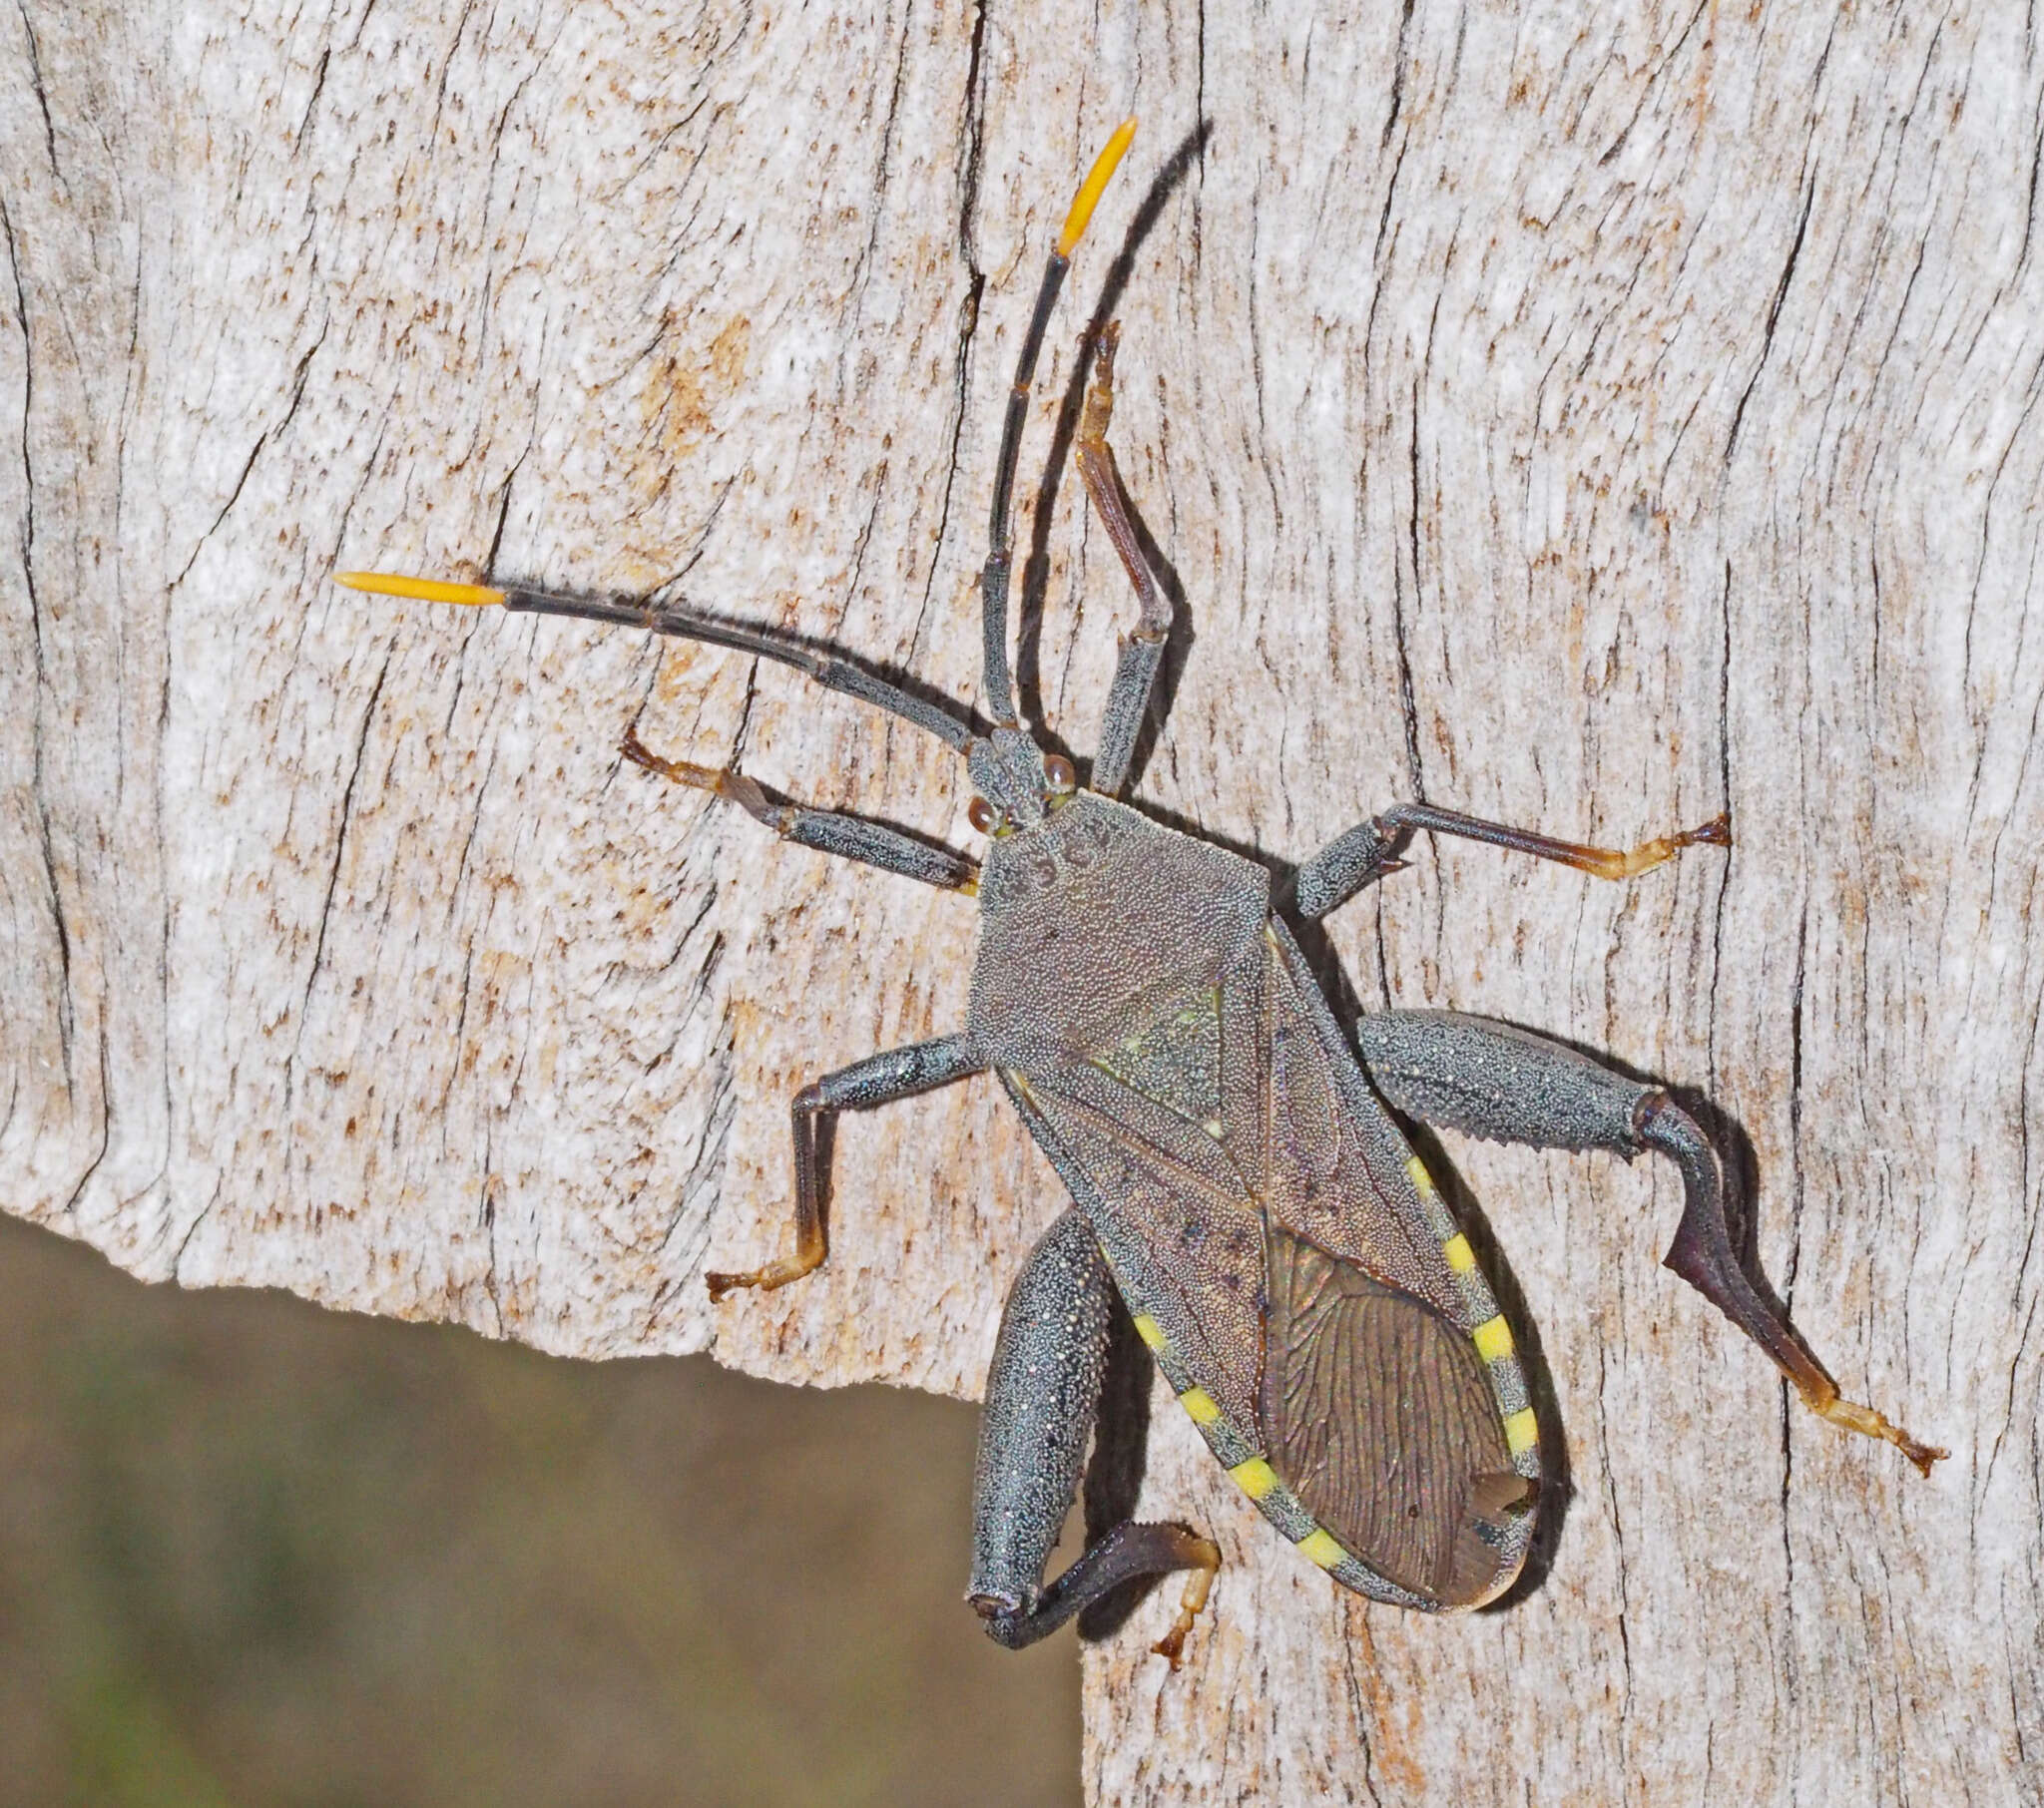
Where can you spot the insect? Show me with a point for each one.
(1237, 1176)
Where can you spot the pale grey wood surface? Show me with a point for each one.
(1593, 417)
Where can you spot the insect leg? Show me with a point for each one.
(878, 1079)
(1506, 1084)
(1363, 854)
(833, 672)
(1134, 672)
(1042, 1396)
(830, 831)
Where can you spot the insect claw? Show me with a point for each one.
(1922, 1454)
(1171, 1647)
(701, 778)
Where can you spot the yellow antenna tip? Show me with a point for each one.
(1095, 185)
(422, 589)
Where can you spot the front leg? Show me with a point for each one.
(1362, 855)
(1134, 672)
(829, 831)
(877, 1080)
(1506, 1084)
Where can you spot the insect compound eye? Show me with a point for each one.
(1058, 774)
(982, 815)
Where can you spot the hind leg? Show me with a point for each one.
(1506, 1084)
(1042, 1395)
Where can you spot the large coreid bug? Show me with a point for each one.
(1237, 1176)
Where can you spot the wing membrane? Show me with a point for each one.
(1254, 1197)
(1380, 1417)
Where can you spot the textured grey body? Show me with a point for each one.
(1286, 1257)
(1164, 1043)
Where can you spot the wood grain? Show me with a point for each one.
(1593, 421)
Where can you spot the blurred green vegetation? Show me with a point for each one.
(252, 1553)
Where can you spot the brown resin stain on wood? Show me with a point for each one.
(684, 390)
(1386, 1739)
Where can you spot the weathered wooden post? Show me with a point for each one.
(1588, 421)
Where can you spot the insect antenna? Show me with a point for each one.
(999, 687)
(832, 672)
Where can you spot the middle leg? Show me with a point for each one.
(878, 1079)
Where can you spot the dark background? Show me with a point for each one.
(255, 1552)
